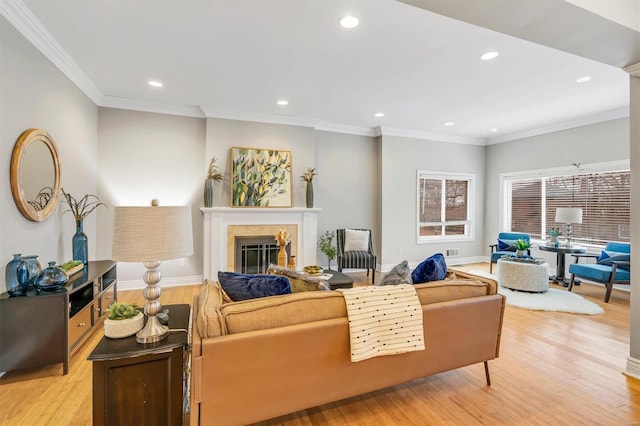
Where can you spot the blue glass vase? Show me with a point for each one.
(79, 244)
(33, 267)
(16, 276)
(52, 278)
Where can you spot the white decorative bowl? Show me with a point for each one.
(123, 328)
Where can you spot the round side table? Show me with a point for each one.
(560, 252)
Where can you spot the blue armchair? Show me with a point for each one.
(612, 267)
(505, 246)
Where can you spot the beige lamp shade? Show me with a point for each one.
(155, 233)
(569, 215)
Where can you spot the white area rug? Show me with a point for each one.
(551, 300)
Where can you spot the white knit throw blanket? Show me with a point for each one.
(384, 320)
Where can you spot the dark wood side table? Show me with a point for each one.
(338, 279)
(560, 252)
(142, 384)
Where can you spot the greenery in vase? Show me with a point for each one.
(554, 232)
(120, 311)
(522, 245)
(326, 245)
(213, 172)
(309, 174)
(83, 207)
(259, 175)
(71, 264)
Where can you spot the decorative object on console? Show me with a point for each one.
(52, 278)
(260, 177)
(16, 276)
(72, 267)
(35, 174)
(33, 267)
(213, 175)
(569, 215)
(81, 209)
(282, 239)
(327, 246)
(308, 177)
(149, 235)
(124, 320)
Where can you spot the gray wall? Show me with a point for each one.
(35, 94)
(346, 165)
(143, 156)
(400, 159)
(596, 143)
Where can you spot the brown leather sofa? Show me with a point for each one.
(258, 359)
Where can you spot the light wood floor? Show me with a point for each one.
(553, 369)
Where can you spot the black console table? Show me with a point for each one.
(143, 384)
(42, 329)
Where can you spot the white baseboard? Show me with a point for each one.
(166, 282)
(633, 368)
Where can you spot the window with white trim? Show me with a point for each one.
(444, 206)
(604, 196)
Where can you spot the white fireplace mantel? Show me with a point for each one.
(217, 220)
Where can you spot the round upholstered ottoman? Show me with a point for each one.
(523, 276)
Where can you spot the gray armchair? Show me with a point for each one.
(356, 259)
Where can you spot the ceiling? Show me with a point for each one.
(235, 58)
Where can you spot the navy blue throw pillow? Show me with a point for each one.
(252, 286)
(433, 268)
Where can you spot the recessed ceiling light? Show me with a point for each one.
(489, 55)
(583, 79)
(283, 102)
(155, 83)
(494, 130)
(449, 123)
(379, 114)
(349, 21)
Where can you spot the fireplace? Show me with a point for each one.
(223, 225)
(253, 255)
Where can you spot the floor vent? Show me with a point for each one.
(453, 252)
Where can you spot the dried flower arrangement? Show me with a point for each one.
(83, 207)
(282, 238)
(309, 174)
(213, 172)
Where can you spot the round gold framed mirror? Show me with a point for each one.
(35, 174)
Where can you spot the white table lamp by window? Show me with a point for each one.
(569, 215)
(149, 235)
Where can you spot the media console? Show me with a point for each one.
(42, 329)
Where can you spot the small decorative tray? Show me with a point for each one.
(74, 270)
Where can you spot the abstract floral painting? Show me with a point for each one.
(260, 177)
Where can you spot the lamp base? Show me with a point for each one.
(152, 332)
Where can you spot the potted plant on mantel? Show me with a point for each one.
(125, 319)
(213, 175)
(308, 177)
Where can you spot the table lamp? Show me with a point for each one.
(149, 235)
(569, 215)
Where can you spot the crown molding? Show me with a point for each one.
(288, 120)
(138, 105)
(438, 137)
(564, 125)
(19, 15)
(633, 69)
